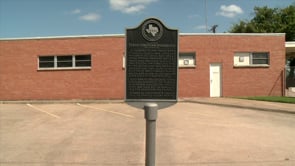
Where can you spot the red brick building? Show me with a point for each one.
(92, 67)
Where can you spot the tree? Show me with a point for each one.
(269, 20)
(272, 20)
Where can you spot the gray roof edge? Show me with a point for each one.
(232, 34)
(64, 37)
(123, 35)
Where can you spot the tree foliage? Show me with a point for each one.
(269, 20)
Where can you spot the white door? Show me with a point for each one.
(215, 80)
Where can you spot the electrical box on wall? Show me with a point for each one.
(187, 59)
(242, 59)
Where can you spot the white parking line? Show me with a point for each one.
(41, 110)
(100, 109)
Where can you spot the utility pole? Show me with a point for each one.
(206, 19)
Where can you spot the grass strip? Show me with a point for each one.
(280, 99)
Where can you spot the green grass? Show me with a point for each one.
(272, 99)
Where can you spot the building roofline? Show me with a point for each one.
(64, 37)
(123, 35)
(290, 44)
(232, 34)
(290, 47)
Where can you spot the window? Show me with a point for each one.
(64, 62)
(46, 62)
(82, 60)
(251, 59)
(187, 59)
(260, 58)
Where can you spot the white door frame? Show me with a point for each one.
(215, 79)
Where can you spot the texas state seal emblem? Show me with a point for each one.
(152, 30)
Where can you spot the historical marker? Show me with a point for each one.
(151, 62)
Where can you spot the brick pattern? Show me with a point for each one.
(20, 79)
(235, 81)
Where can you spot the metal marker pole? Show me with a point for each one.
(150, 114)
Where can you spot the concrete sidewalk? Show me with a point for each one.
(243, 103)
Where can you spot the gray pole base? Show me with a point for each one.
(150, 114)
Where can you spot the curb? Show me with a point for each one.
(241, 106)
(109, 101)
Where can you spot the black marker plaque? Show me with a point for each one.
(151, 62)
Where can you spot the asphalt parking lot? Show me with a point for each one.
(188, 134)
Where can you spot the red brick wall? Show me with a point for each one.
(20, 79)
(235, 81)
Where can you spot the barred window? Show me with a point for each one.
(252, 59)
(260, 58)
(82, 60)
(46, 62)
(64, 62)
